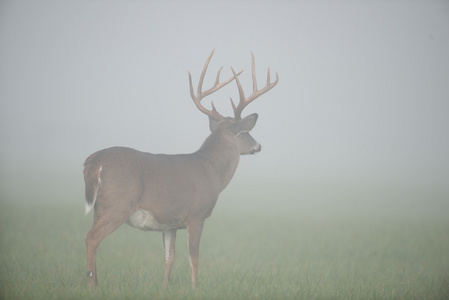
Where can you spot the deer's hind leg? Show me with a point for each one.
(105, 223)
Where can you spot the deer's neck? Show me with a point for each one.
(222, 155)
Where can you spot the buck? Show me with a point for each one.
(159, 192)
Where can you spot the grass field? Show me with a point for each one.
(280, 250)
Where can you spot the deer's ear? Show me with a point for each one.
(245, 124)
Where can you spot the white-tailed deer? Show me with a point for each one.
(159, 192)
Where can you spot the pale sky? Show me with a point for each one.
(363, 96)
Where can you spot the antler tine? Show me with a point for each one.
(241, 93)
(200, 94)
(253, 68)
(256, 93)
(203, 73)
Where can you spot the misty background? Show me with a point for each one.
(360, 111)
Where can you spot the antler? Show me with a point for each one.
(200, 94)
(256, 93)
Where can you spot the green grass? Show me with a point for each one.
(282, 250)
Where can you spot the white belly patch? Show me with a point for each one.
(144, 220)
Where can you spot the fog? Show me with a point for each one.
(362, 103)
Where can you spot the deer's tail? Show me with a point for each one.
(92, 179)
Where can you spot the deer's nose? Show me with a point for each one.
(256, 149)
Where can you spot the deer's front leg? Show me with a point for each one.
(194, 231)
(168, 237)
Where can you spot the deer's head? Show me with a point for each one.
(235, 128)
